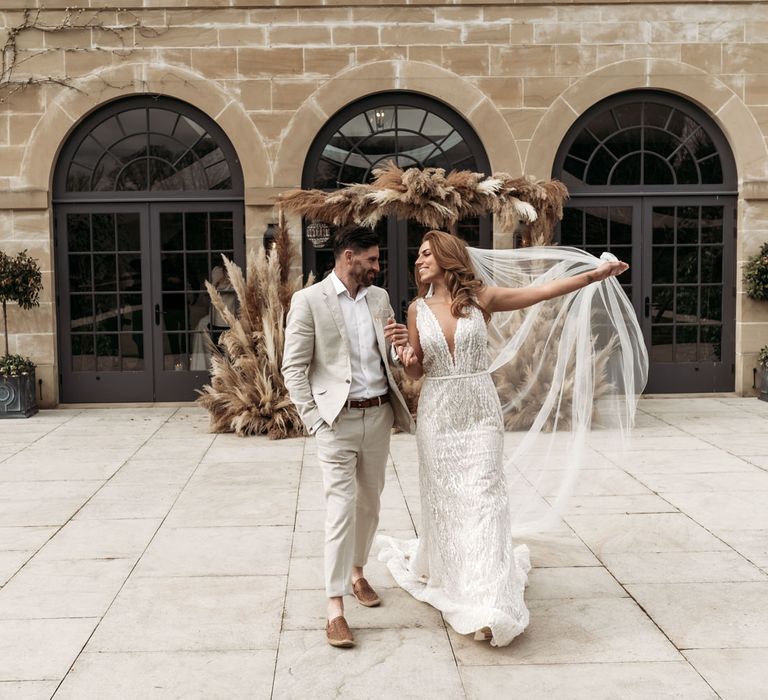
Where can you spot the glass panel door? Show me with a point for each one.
(189, 241)
(104, 289)
(689, 294)
(607, 225)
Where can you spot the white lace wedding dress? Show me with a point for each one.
(464, 562)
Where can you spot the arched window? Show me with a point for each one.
(153, 146)
(652, 179)
(410, 135)
(649, 141)
(148, 196)
(414, 131)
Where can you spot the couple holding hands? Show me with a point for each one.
(341, 342)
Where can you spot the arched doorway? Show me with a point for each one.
(148, 195)
(652, 179)
(414, 131)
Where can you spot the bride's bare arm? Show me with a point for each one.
(511, 299)
(411, 355)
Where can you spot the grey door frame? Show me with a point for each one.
(100, 386)
(150, 384)
(683, 377)
(635, 204)
(172, 385)
(686, 377)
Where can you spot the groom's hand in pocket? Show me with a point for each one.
(318, 427)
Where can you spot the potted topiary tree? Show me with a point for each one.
(756, 287)
(20, 282)
(756, 275)
(762, 360)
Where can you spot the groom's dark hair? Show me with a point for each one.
(353, 238)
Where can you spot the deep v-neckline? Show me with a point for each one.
(451, 355)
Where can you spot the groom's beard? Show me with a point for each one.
(370, 278)
(366, 279)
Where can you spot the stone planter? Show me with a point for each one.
(763, 395)
(17, 396)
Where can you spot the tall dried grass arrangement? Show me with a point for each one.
(247, 395)
(438, 200)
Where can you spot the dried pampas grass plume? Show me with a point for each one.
(438, 200)
(247, 394)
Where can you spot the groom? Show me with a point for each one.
(336, 368)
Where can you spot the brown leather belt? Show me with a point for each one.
(368, 403)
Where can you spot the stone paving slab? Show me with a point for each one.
(735, 674)
(73, 588)
(175, 674)
(142, 557)
(711, 615)
(575, 630)
(603, 681)
(387, 663)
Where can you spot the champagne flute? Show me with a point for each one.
(384, 318)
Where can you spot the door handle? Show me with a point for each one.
(647, 306)
(157, 314)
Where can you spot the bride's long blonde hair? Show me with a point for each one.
(450, 253)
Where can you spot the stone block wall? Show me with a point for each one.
(271, 76)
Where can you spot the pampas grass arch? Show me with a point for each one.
(438, 200)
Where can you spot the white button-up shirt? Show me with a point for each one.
(368, 377)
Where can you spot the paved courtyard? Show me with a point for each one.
(141, 557)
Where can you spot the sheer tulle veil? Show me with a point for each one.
(569, 373)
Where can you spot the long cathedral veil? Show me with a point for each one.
(568, 371)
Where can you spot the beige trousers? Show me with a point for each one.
(353, 459)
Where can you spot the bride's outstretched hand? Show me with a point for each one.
(407, 355)
(609, 269)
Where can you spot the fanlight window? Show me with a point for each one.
(642, 143)
(411, 136)
(148, 149)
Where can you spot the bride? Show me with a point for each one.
(465, 563)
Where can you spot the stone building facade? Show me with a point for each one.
(531, 82)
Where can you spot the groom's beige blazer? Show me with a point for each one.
(316, 362)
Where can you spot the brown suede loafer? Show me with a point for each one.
(338, 633)
(365, 594)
